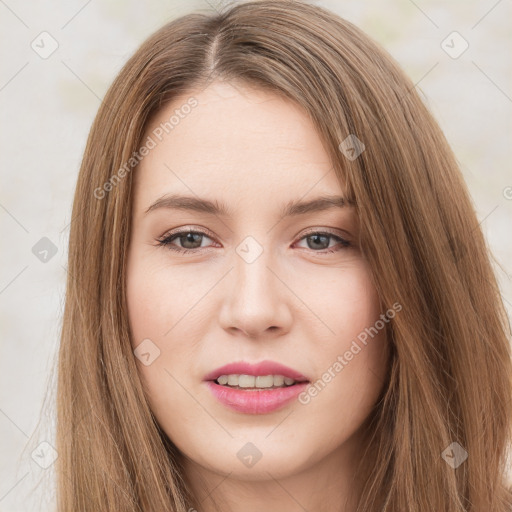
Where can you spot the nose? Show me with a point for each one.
(256, 300)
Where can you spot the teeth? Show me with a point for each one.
(251, 381)
(246, 381)
(278, 380)
(223, 380)
(261, 381)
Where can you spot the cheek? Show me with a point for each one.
(351, 359)
(157, 300)
(147, 306)
(155, 307)
(164, 325)
(345, 303)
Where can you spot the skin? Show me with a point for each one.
(295, 304)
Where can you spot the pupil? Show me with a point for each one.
(316, 238)
(189, 237)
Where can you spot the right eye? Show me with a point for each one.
(188, 237)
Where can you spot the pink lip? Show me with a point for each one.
(262, 368)
(256, 401)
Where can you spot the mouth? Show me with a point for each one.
(255, 389)
(256, 382)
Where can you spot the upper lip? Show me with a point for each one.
(261, 368)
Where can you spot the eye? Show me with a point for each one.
(191, 240)
(321, 240)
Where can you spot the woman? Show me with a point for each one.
(279, 295)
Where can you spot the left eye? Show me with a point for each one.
(321, 238)
(191, 241)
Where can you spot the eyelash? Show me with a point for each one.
(166, 241)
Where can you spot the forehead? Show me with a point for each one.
(238, 142)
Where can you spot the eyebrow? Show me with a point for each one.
(214, 207)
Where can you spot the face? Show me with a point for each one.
(251, 271)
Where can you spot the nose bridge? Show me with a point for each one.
(254, 281)
(256, 299)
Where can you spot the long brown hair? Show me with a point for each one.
(450, 372)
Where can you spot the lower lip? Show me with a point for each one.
(255, 401)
